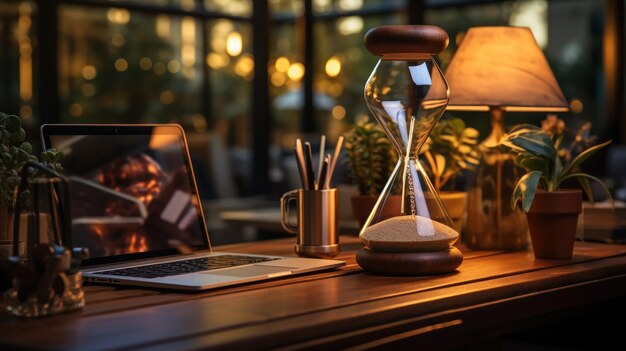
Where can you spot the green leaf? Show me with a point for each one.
(521, 127)
(590, 177)
(584, 183)
(441, 164)
(532, 163)
(525, 190)
(583, 156)
(26, 146)
(539, 145)
(18, 136)
(13, 123)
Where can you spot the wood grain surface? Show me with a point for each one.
(491, 291)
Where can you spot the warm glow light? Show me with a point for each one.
(322, 5)
(163, 26)
(166, 97)
(220, 30)
(188, 55)
(338, 112)
(187, 5)
(576, 106)
(295, 71)
(173, 66)
(118, 16)
(188, 30)
(121, 65)
(159, 68)
(350, 5)
(88, 89)
(522, 79)
(89, 72)
(234, 44)
(26, 50)
(282, 64)
(240, 8)
(199, 123)
(278, 79)
(26, 112)
(335, 89)
(244, 66)
(76, 110)
(118, 40)
(217, 61)
(145, 63)
(189, 72)
(162, 137)
(350, 25)
(333, 66)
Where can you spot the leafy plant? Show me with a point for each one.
(537, 152)
(451, 148)
(14, 153)
(371, 157)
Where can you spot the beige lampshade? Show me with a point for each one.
(502, 67)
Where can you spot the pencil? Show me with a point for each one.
(301, 164)
(331, 169)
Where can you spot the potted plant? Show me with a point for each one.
(371, 159)
(552, 212)
(14, 153)
(451, 148)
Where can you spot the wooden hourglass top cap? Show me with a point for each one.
(406, 42)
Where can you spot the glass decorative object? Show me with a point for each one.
(46, 279)
(407, 94)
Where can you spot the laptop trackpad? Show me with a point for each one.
(252, 271)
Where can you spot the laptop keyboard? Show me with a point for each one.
(187, 266)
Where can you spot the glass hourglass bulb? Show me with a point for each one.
(407, 94)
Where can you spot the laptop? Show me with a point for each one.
(135, 206)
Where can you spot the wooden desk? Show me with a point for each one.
(493, 293)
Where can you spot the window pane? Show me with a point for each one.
(339, 6)
(342, 66)
(18, 82)
(231, 68)
(286, 72)
(286, 8)
(230, 7)
(121, 66)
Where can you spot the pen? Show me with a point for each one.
(308, 157)
(323, 173)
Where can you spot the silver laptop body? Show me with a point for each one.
(135, 203)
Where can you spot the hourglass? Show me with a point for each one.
(407, 94)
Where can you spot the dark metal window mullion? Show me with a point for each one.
(205, 94)
(308, 111)
(260, 114)
(48, 61)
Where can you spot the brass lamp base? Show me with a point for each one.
(491, 222)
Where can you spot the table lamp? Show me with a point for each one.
(499, 69)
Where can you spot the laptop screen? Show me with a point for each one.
(132, 190)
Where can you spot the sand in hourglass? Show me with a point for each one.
(409, 233)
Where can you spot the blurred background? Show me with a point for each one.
(247, 77)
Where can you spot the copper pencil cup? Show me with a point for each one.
(317, 226)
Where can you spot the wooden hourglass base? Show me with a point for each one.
(409, 263)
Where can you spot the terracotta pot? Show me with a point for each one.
(362, 206)
(552, 220)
